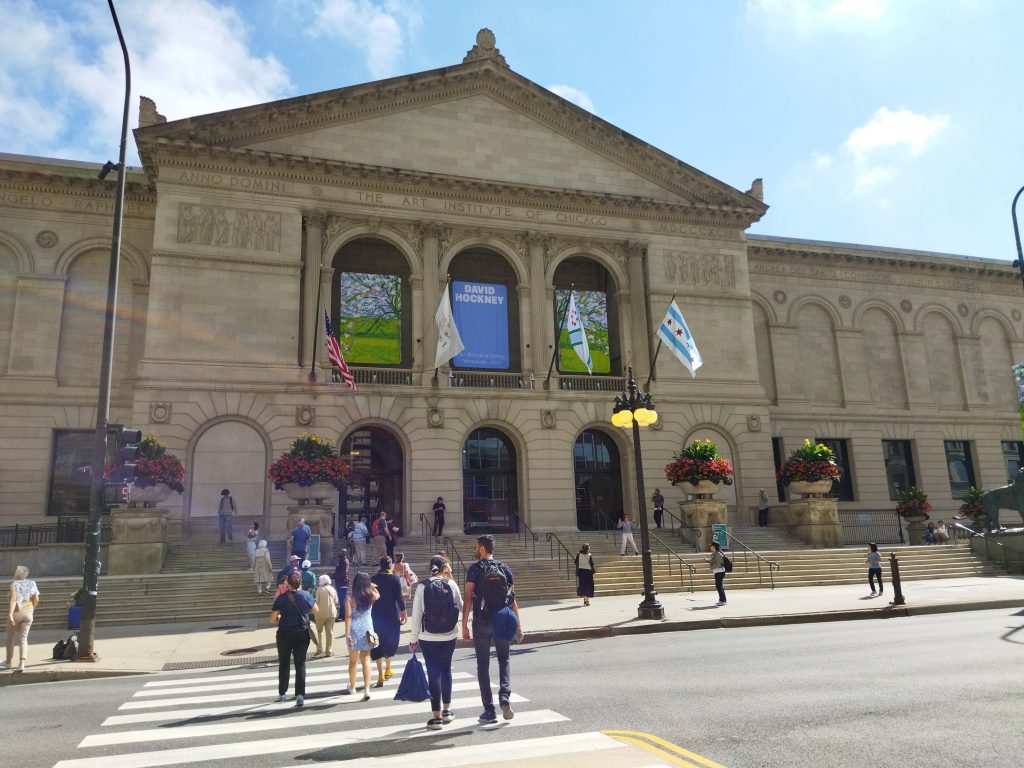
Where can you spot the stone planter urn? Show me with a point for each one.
(316, 493)
(811, 487)
(705, 489)
(151, 495)
(915, 528)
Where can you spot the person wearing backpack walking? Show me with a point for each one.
(225, 515)
(489, 590)
(436, 605)
(716, 561)
(585, 574)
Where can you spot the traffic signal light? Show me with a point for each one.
(126, 452)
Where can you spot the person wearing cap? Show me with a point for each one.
(437, 647)
(291, 565)
(438, 529)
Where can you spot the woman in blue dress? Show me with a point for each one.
(388, 617)
(358, 627)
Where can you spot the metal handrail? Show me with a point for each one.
(528, 532)
(677, 556)
(971, 534)
(455, 560)
(552, 539)
(67, 530)
(772, 565)
(427, 532)
(695, 543)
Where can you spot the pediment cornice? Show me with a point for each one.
(237, 128)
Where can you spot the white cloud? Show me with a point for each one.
(576, 96)
(872, 178)
(806, 16)
(860, 10)
(888, 129)
(822, 160)
(378, 30)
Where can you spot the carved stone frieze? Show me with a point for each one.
(713, 270)
(338, 224)
(229, 227)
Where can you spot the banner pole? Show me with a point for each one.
(558, 336)
(447, 281)
(651, 374)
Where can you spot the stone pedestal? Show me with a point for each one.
(814, 520)
(702, 514)
(915, 529)
(138, 541)
(319, 518)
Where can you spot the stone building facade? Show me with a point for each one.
(239, 223)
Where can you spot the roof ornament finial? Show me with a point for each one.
(148, 114)
(485, 49)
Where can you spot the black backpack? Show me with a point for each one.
(440, 611)
(492, 586)
(727, 564)
(71, 648)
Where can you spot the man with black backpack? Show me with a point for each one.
(495, 617)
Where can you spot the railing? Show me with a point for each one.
(592, 383)
(770, 565)
(687, 533)
(524, 533)
(867, 526)
(570, 558)
(455, 560)
(64, 531)
(671, 552)
(427, 532)
(1003, 553)
(458, 379)
(398, 376)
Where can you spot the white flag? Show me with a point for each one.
(676, 335)
(449, 343)
(578, 334)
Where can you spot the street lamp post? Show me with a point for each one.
(634, 409)
(1019, 263)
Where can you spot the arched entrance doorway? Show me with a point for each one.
(595, 459)
(232, 455)
(490, 501)
(375, 483)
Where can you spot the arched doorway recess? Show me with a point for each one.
(598, 475)
(489, 483)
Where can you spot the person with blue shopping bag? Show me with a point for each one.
(436, 607)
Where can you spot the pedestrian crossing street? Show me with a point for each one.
(233, 719)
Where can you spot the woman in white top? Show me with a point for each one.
(436, 607)
(23, 597)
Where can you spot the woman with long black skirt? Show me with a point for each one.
(585, 574)
(388, 617)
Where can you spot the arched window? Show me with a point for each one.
(232, 455)
(598, 476)
(489, 483)
(591, 285)
(485, 304)
(371, 304)
(375, 484)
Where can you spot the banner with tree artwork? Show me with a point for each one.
(593, 309)
(369, 318)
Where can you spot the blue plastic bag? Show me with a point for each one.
(414, 686)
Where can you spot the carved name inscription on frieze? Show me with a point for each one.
(229, 227)
(700, 269)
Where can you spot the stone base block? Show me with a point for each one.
(138, 541)
(320, 519)
(702, 514)
(814, 520)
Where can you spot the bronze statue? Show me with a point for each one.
(1008, 497)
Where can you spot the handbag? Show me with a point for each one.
(372, 640)
(414, 686)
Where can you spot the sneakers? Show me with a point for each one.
(366, 696)
(346, 691)
(283, 697)
(720, 603)
(434, 724)
(299, 701)
(873, 593)
(487, 717)
(21, 667)
(5, 665)
(506, 710)
(446, 716)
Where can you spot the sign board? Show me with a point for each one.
(481, 315)
(718, 534)
(314, 549)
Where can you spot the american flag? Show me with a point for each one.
(334, 355)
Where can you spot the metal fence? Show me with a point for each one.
(64, 531)
(866, 526)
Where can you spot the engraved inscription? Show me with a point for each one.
(708, 269)
(229, 227)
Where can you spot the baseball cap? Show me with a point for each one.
(293, 557)
(306, 563)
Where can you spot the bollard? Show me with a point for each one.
(894, 572)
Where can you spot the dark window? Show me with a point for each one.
(780, 489)
(842, 489)
(489, 482)
(375, 482)
(70, 472)
(899, 466)
(1013, 457)
(960, 466)
(598, 481)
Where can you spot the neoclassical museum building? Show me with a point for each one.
(243, 227)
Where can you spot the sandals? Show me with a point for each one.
(388, 675)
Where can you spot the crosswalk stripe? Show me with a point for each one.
(246, 695)
(317, 666)
(306, 742)
(308, 719)
(523, 749)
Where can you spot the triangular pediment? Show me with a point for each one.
(478, 120)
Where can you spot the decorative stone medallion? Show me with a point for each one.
(963, 310)
(906, 306)
(46, 238)
(780, 297)
(754, 423)
(1015, 314)
(435, 418)
(159, 413)
(548, 420)
(305, 415)
(844, 301)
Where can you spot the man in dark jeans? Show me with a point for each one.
(291, 614)
(439, 508)
(483, 635)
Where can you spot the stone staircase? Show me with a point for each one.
(767, 539)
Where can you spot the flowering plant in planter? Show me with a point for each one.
(699, 461)
(972, 506)
(155, 465)
(311, 459)
(913, 503)
(810, 463)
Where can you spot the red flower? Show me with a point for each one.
(686, 470)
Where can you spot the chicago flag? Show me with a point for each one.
(677, 337)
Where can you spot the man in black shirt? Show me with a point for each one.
(438, 529)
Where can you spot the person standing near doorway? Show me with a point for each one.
(225, 515)
(438, 529)
(659, 506)
(762, 508)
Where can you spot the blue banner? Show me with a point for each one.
(481, 315)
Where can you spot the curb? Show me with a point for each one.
(62, 675)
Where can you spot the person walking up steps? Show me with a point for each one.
(489, 589)
(436, 604)
(874, 563)
(225, 515)
(252, 536)
(262, 569)
(659, 506)
(626, 526)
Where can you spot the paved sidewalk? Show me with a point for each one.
(150, 648)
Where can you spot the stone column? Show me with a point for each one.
(37, 314)
(539, 328)
(312, 257)
(640, 321)
(418, 348)
(525, 329)
(430, 256)
(138, 541)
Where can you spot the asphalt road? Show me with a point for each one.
(923, 691)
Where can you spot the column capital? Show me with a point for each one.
(315, 218)
(634, 249)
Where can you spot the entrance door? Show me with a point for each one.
(598, 481)
(375, 482)
(489, 483)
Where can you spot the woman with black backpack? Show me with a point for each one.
(436, 607)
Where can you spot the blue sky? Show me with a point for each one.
(883, 122)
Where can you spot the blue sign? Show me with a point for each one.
(481, 315)
(719, 535)
(314, 549)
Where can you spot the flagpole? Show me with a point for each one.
(558, 337)
(447, 281)
(650, 374)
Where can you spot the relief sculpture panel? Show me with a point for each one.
(229, 227)
(700, 269)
